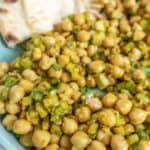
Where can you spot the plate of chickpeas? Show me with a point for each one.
(83, 86)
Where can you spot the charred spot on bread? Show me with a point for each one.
(11, 1)
(10, 38)
(3, 10)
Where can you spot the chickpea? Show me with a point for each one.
(129, 129)
(109, 42)
(118, 143)
(94, 104)
(65, 77)
(148, 116)
(104, 136)
(52, 147)
(86, 60)
(26, 141)
(79, 19)
(65, 141)
(81, 52)
(45, 62)
(74, 86)
(41, 138)
(83, 114)
(107, 117)
(81, 82)
(2, 108)
(29, 75)
(22, 126)
(63, 60)
(27, 85)
(37, 54)
(129, 4)
(137, 116)
(12, 108)
(118, 60)
(117, 72)
(90, 82)
(96, 145)
(96, 66)
(53, 52)
(136, 54)
(139, 75)
(55, 139)
(16, 93)
(69, 126)
(92, 49)
(8, 121)
(138, 35)
(109, 100)
(67, 25)
(144, 145)
(124, 106)
(55, 73)
(80, 139)
(83, 36)
(3, 68)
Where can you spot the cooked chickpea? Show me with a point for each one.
(69, 126)
(81, 52)
(139, 75)
(92, 49)
(45, 62)
(118, 142)
(109, 100)
(22, 126)
(138, 35)
(96, 66)
(104, 136)
(80, 139)
(55, 138)
(55, 73)
(137, 116)
(83, 36)
(66, 25)
(29, 75)
(79, 19)
(8, 121)
(107, 117)
(90, 82)
(144, 145)
(85, 60)
(124, 106)
(129, 128)
(2, 108)
(63, 60)
(27, 85)
(12, 108)
(65, 141)
(117, 72)
(16, 93)
(118, 60)
(4, 67)
(96, 145)
(109, 42)
(41, 138)
(26, 141)
(52, 147)
(83, 114)
(37, 54)
(94, 104)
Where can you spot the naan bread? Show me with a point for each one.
(19, 19)
(13, 26)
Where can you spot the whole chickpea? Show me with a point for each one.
(65, 141)
(144, 145)
(83, 36)
(29, 75)
(109, 100)
(137, 116)
(124, 106)
(52, 147)
(80, 139)
(22, 126)
(41, 138)
(2, 107)
(12, 108)
(96, 145)
(83, 114)
(8, 121)
(16, 93)
(118, 142)
(25, 140)
(69, 126)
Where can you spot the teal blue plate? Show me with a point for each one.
(7, 140)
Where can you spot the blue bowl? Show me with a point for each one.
(7, 140)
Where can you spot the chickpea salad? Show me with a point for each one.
(85, 85)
